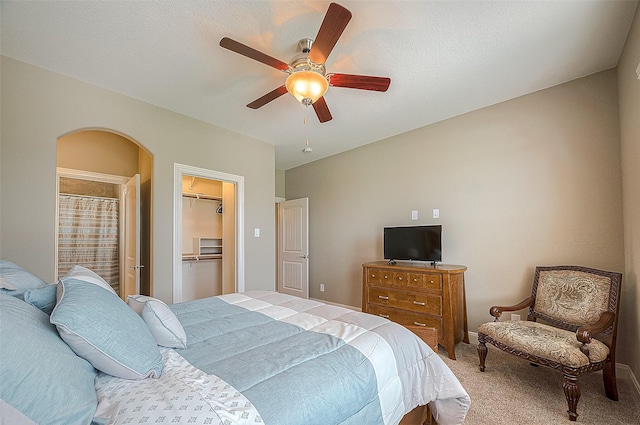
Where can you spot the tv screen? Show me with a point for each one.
(417, 243)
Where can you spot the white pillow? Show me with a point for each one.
(136, 302)
(162, 322)
(83, 273)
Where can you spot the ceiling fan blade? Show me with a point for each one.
(322, 110)
(334, 23)
(362, 82)
(252, 53)
(272, 95)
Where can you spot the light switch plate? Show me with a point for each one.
(256, 232)
(436, 213)
(414, 215)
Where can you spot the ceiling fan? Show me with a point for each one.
(308, 80)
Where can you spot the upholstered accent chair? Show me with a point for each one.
(571, 327)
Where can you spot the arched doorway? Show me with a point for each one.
(92, 164)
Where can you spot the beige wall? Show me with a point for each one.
(99, 152)
(280, 176)
(38, 106)
(629, 93)
(532, 181)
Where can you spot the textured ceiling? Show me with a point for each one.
(444, 58)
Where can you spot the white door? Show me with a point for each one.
(131, 238)
(293, 247)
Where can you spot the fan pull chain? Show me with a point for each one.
(306, 149)
(305, 130)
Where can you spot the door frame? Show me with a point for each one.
(91, 176)
(129, 215)
(180, 170)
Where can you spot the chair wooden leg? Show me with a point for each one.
(572, 393)
(482, 352)
(609, 376)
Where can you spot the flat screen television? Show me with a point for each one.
(416, 243)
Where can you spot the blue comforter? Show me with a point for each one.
(318, 377)
(266, 358)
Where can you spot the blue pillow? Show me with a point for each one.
(41, 378)
(14, 277)
(43, 298)
(17, 293)
(102, 329)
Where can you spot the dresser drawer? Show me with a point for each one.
(407, 318)
(424, 281)
(414, 301)
(379, 276)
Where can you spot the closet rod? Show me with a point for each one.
(201, 196)
(106, 198)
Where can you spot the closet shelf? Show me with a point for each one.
(207, 246)
(201, 196)
(193, 257)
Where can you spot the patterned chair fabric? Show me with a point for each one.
(575, 297)
(576, 304)
(546, 342)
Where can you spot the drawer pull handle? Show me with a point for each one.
(419, 324)
(386, 316)
(382, 297)
(386, 277)
(415, 279)
(431, 281)
(373, 275)
(419, 303)
(399, 277)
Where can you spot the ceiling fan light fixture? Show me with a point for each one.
(307, 86)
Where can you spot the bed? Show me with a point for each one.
(257, 357)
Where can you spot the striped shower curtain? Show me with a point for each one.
(88, 236)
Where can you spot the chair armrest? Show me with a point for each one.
(584, 333)
(496, 311)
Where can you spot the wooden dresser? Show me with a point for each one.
(419, 295)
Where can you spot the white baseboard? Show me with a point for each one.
(623, 371)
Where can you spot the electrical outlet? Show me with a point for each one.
(322, 287)
(515, 317)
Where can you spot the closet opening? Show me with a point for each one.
(208, 249)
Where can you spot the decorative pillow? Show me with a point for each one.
(16, 293)
(136, 302)
(42, 380)
(162, 322)
(14, 277)
(83, 273)
(43, 298)
(100, 328)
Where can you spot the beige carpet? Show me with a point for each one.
(511, 391)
